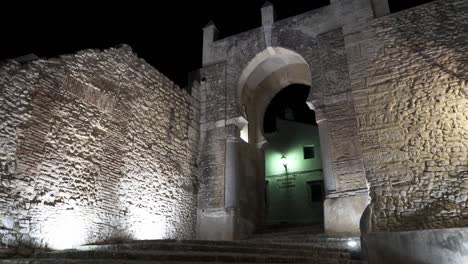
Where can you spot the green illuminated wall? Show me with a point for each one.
(288, 194)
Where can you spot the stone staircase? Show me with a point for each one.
(287, 232)
(312, 235)
(192, 251)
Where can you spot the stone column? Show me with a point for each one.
(268, 19)
(380, 7)
(261, 216)
(325, 152)
(210, 34)
(232, 177)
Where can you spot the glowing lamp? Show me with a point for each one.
(284, 162)
(352, 243)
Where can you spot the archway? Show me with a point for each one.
(293, 164)
(263, 80)
(266, 74)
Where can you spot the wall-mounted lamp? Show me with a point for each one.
(352, 243)
(284, 162)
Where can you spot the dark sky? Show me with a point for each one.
(167, 34)
(294, 98)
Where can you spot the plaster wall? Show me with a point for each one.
(289, 140)
(288, 193)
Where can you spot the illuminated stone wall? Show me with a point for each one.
(94, 145)
(411, 96)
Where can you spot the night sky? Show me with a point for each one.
(168, 36)
(292, 98)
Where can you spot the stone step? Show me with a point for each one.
(293, 233)
(303, 237)
(241, 248)
(181, 256)
(238, 243)
(106, 261)
(280, 230)
(316, 241)
(281, 237)
(187, 257)
(193, 251)
(307, 240)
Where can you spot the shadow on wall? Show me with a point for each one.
(437, 35)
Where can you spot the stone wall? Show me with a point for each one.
(223, 188)
(95, 145)
(411, 96)
(213, 137)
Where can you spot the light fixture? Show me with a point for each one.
(284, 162)
(64, 229)
(352, 243)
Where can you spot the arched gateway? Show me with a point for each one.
(266, 74)
(233, 195)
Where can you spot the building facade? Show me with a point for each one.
(293, 175)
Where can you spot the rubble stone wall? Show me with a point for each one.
(93, 146)
(412, 107)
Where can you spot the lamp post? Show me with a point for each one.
(285, 163)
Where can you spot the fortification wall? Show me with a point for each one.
(411, 98)
(92, 146)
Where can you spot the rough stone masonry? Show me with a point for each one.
(102, 141)
(94, 146)
(411, 97)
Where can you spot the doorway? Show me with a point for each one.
(293, 166)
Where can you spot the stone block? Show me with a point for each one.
(433, 246)
(342, 215)
(216, 224)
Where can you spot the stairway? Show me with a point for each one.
(192, 251)
(312, 235)
(287, 232)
